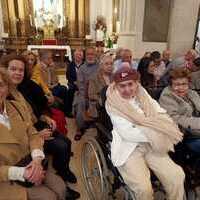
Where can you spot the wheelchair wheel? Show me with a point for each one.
(94, 170)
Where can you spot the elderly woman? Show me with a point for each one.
(98, 82)
(183, 105)
(143, 134)
(19, 139)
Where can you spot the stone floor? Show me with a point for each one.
(75, 160)
(76, 148)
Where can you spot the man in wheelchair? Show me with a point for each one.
(143, 134)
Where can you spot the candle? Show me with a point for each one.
(63, 21)
(30, 18)
(36, 23)
(117, 26)
(99, 35)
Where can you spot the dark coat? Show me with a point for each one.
(35, 96)
(71, 75)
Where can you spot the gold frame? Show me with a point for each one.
(16, 17)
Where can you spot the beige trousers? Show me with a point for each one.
(53, 188)
(136, 174)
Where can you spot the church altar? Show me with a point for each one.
(52, 47)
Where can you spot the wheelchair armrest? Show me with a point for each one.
(103, 131)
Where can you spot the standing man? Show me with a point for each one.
(85, 73)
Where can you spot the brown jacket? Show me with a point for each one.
(15, 144)
(179, 109)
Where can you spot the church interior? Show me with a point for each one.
(75, 67)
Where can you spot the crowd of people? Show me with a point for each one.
(152, 103)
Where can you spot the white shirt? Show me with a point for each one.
(4, 118)
(126, 136)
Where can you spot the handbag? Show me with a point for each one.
(23, 163)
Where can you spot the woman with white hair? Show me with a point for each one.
(98, 82)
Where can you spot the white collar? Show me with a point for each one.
(4, 110)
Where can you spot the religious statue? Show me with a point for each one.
(100, 28)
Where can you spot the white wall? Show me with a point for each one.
(103, 7)
(182, 25)
(182, 28)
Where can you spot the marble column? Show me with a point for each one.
(127, 24)
(182, 26)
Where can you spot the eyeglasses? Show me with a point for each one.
(180, 84)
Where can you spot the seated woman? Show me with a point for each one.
(58, 146)
(97, 83)
(19, 139)
(55, 113)
(143, 134)
(146, 68)
(183, 105)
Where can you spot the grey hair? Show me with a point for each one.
(103, 59)
(44, 53)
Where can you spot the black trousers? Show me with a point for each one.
(60, 149)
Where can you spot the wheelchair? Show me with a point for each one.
(101, 179)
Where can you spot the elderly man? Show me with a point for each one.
(185, 60)
(44, 75)
(86, 72)
(166, 57)
(143, 134)
(126, 56)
